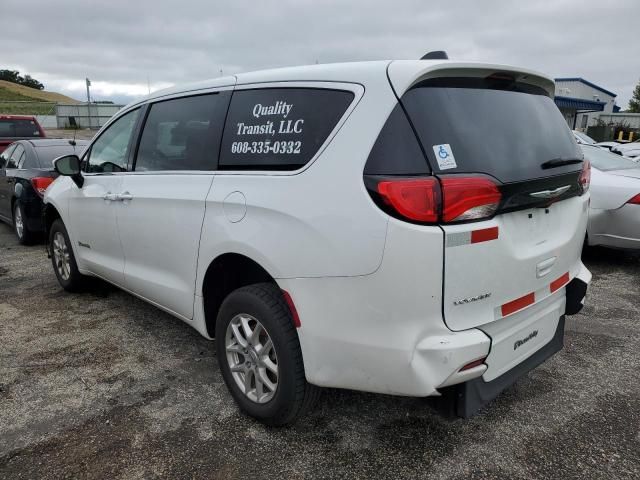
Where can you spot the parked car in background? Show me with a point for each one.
(583, 138)
(26, 170)
(18, 127)
(608, 145)
(627, 149)
(341, 226)
(614, 212)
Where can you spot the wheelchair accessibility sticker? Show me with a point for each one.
(444, 156)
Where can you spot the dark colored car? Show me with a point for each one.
(26, 170)
(18, 127)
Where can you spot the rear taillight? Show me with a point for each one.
(448, 199)
(585, 176)
(635, 200)
(40, 184)
(415, 199)
(468, 198)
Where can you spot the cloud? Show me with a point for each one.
(123, 45)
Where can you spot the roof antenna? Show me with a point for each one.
(436, 55)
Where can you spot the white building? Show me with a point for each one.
(581, 101)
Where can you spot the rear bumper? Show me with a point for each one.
(465, 399)
(33, 214)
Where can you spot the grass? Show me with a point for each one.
(20, 100)
(35, 95)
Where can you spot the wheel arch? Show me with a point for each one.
(226, 273)
(50, 214)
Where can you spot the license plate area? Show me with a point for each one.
(517, 337)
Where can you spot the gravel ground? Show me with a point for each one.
(102, 385)
(83, 134)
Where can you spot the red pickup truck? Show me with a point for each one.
(18, 127)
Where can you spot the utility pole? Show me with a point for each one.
(88, 101)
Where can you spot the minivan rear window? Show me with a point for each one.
(279, 128)
(18, 127)
(500, 128)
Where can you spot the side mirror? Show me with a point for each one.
(69, 166)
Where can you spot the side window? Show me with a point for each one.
(182, 134)
(109, 153)
(29, 161)
(5, 155)
(279, 128)
(16, 156)
(396, 151)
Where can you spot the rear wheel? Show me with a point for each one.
(25, 236)
(63, 259)
(260, 357)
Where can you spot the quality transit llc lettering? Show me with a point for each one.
(280, 108)
(284, 127)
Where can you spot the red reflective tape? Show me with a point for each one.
(518, 304)
(484, 235)
(292, 308)
(558, 283)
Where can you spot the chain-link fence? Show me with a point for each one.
(12, 107)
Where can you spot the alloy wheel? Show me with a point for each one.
(252, 358)
(61, 256)
(19, 222)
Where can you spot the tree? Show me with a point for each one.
(14, 76)
(634, 103)
(29, 81)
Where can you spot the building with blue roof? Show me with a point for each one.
(581, 101)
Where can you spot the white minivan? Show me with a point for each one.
(403, 227)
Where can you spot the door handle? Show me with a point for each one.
(111, 197)
(125, 196)
(544, 267)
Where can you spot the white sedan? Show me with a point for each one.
(614, 213)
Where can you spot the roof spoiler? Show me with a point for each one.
(435, 55)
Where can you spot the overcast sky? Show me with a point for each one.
(124, 45)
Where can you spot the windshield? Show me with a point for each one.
(604, 160)
(16, 127)
(584, 138)
(507, 131)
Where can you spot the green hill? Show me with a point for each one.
(37, 102)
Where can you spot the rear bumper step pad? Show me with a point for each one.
(465, 399)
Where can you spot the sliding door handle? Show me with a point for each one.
(125, 197)
(111, 197)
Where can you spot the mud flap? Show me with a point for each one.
(465, 399)
(576, 292)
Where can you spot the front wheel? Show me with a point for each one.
(259, 355)
(63, 259)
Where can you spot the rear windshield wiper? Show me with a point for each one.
(559, 162)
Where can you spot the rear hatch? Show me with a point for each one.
(513, 210)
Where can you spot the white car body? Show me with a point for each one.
(614, 220)
(370, 290)
(582, 138)
(627, 149)
(608, 145)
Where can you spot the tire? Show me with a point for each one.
(263, 304)
(59, 245)
(25, 236)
